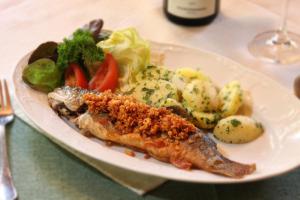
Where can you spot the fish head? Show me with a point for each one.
(68, 100)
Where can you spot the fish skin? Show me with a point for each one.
(204, 154)
(198, 151)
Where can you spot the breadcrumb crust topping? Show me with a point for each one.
(131, 116)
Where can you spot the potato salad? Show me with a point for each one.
(224, 110)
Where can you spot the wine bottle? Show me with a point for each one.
(191, 12)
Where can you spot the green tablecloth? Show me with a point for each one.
(44, 171)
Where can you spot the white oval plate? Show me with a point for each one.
(276, 152)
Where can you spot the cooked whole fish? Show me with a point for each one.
(155, 131)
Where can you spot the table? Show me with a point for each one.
(42, 170)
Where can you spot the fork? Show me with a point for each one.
(7, 188)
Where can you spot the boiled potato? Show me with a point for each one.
(126, 89)
(154, 73)
(231, 98)
(246, 107)
(168, 102)
(154, 92)
(201, 96)
(238, 129)
(183, 76)
(206, 120)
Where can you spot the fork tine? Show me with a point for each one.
(1, 96)
(8, 104)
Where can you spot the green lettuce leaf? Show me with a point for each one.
(131, 52)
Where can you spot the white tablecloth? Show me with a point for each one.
(25, 24)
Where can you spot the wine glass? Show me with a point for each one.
(279, 46)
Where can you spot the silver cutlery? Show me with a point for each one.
(7, 188)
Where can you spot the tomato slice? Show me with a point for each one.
(74, 76)
(106, 78)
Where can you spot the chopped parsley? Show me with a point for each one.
(150, 75)
(148, 93)
(259, 125)
(129, 92)
(235, 122)
(166, 76)
(170, 95)
(150, 66)
(196, 90)
(168, 87)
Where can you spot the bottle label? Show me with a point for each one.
(191, 8)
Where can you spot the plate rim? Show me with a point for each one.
(136, 169)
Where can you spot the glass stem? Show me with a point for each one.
(282, 38)
(283, 27)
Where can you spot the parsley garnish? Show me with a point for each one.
(235, 122)
(195, 90)
(80, 48)
(168, 87)
(129, 92)
(148, 94)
